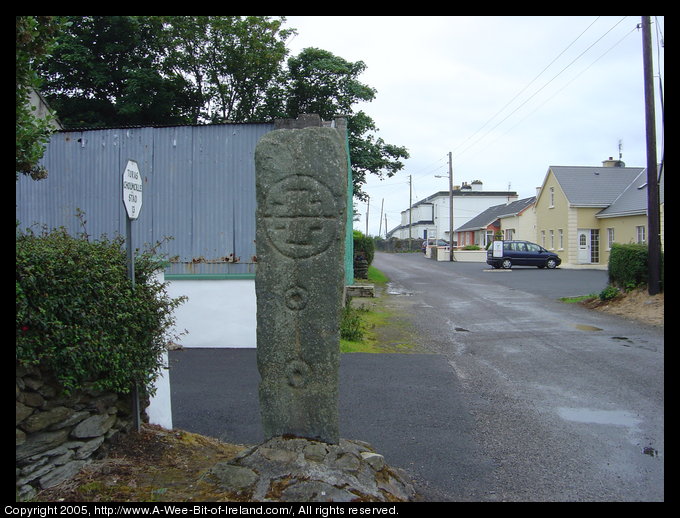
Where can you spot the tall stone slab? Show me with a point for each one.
(301, 178)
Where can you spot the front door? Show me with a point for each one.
(583, 238)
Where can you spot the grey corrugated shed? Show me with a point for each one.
(199, 189)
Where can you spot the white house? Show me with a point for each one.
(429, 218)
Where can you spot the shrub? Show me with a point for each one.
(628, 265)
(76, 312)
(609, 293)
(365, 245)
(351, 324)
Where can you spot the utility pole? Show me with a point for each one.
(451, 207)
(368, 206)
(653, 222)
(410, 207)
(382, 204)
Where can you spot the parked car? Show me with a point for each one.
(522, 253)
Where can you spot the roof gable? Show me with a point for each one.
(633, 199)
(586, 186)
(487, 217)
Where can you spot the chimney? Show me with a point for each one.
(613, 163)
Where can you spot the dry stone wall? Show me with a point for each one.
(56, 435)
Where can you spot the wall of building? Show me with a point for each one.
(523, 225)
(465, 207)
(555, 217)
(218, 313)
(198, 201)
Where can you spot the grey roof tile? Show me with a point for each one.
(586, 186)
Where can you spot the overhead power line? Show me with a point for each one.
(540, 89)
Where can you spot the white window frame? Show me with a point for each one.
(610, 237)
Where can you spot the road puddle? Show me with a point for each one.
(589, 415)
(584, 327)
(395, 289)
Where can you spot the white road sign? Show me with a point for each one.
(132, 189)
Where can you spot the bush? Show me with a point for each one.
(76, 312)
(351, 324)
(609, 293)
(364, 245)
(628, 265)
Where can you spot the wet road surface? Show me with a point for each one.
(519, 397)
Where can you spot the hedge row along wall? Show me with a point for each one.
(56, 434)
(84, 339)
(628, 265)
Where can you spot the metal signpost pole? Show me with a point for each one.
(132, 199)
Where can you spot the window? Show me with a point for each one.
(488, 237)
(543, 238)
(509, 233)
(610, 237)
(640, 232)
(552, 197)
(560, 237)
(552, 240)
(594, 245)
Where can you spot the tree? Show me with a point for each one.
(320, 82)
(231, 61)
(35, 36)
(123, 70)
(106, 71)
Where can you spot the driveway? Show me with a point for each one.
(519, 398)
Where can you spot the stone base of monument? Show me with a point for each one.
(294, 469)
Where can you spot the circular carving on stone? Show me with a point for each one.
(297, 372)
(300, 216)
(296, 298)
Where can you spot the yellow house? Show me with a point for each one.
(581, 211)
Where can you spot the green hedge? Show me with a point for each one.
(76, 312)
(364, 244)
(628, 265)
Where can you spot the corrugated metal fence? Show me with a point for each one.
(199, 190)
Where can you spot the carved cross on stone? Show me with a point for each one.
(301, 181)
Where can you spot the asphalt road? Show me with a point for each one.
(521, 397)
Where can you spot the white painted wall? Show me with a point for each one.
(464, 209)
(218, 313)
(160, 407)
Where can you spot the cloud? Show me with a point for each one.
(509, 96)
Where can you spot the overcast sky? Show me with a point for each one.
(508, 96)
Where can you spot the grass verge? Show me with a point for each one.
(376, 325)
(576, 300)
